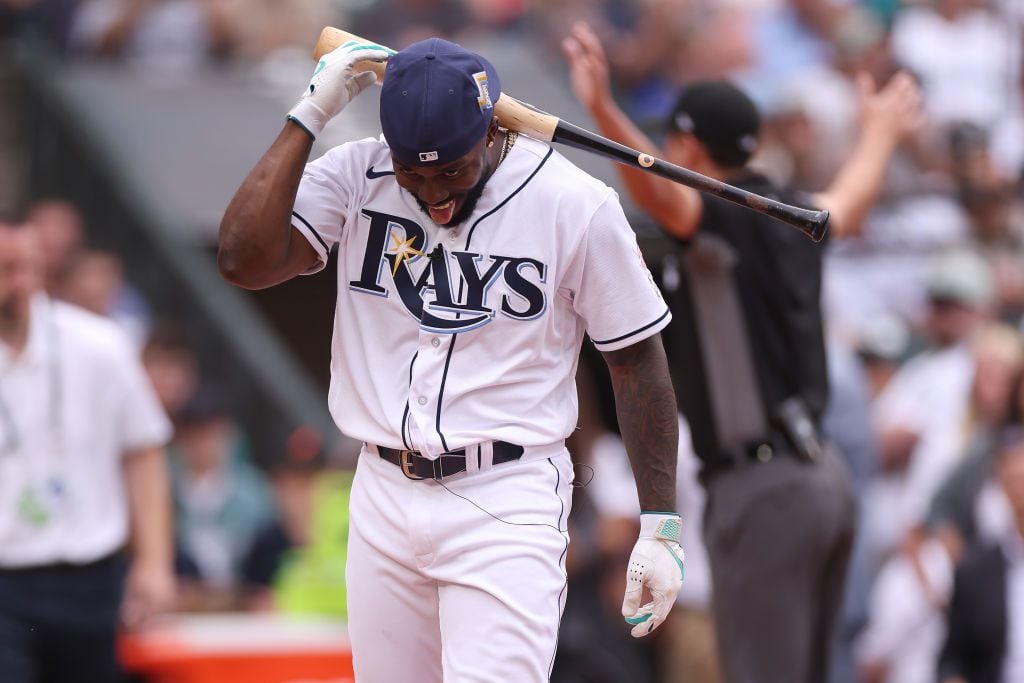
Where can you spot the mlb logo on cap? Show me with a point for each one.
(436, 96)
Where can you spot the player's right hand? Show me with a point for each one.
(335, 83)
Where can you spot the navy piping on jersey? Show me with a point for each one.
(636, 331)
(561, 559)
(440, 392)
(514, 193)
(469, 238)
(405, 415)
(313, 230)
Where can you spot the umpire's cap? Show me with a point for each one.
(437, 102)
(721, 117)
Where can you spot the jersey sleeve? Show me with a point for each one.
(325, 194)
(616, 295)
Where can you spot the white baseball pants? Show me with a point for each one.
(440, 590)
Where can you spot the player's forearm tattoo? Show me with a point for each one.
(648, 419)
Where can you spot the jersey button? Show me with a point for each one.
(422, 400)
(435, 342)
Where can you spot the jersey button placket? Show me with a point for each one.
(422, 400)
(435, 342)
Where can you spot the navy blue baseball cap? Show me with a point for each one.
(437, 102)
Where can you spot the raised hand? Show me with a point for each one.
(892, 112)
(588, 66)
(335, 83)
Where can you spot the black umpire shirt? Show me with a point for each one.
(747, 330)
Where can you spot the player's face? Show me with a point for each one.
(19, 274)
(449, 193)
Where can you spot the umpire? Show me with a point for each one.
(749, 362)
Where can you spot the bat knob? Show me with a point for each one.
(818, 225)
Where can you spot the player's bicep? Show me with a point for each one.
(321, 208)
(303, 256)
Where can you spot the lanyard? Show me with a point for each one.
(14, 440)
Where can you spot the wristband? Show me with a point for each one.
(667, 526)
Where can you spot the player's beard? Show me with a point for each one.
(468, 206)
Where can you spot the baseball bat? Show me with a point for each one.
(528, 120)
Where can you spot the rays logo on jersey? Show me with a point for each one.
(395, 245)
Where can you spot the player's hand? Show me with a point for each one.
(893, 112)
(656, 564)
(588, 66)
(335, 83)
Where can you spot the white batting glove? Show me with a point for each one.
(656, 564)
(335, 84)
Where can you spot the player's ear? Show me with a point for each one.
(492, 132)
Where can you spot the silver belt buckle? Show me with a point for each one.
(406, 463)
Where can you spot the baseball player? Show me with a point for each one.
(470, 264)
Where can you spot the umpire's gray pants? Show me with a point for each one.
(778, 536)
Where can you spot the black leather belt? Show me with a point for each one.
(416, 466)
(757, 451)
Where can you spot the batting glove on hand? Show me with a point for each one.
(656, 564)
(335, 83)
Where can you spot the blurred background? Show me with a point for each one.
(126, 125)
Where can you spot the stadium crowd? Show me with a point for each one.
(924, 312)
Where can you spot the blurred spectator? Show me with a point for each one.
(847, 423)
(82, 474)
(902, 641)
(997, 215)
(954, 509)
(921, 415)
(986, 615)
(61, 233)
(221, 500)
(170, 35)
(881, 346)
(296, 563)
(172, 366)
(94, 280)
(978, 82)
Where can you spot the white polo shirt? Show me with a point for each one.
(72, 404)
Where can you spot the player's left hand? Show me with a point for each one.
(656, 564)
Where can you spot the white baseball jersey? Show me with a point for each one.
(447, 337)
